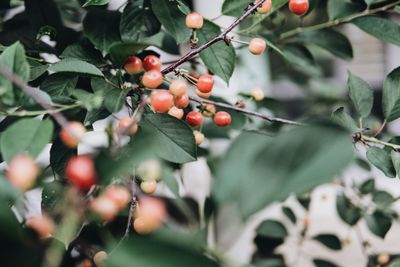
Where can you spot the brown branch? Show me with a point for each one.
(132, 207)
(245, 111)
(34, 93)
(221, 37)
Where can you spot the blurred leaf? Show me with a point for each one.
(114, 98)
(95, 3)
(381, 28)
(83, 51)
(301, 58)
(382, 198)
(391, 96)
(52, 194)
(88, 100)
(270, 263)
(396, 161)
(379, 223)
(342, 8)
(234, 7)
(361, 94)
(323, 263)
(272, 229)
(363, 164)
(347, 211)
(329, 240)
(290, 214)
(342, 118)
(367, 187)
(59, 156)
(73, 65)
(381, 159)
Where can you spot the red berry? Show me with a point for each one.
(151, 62)
(105, 207)
(22, 172)
(81, 172)
(133, 65)
(72, 134)
(205, 83)
(119, 194)
(299, 7)
(152, 79)
(194, 20)
(265, 7)
(178, 88)
(222, 118)
(181, 101)
(257, 46)
(194, 118)
(161, 100)
(126, 122)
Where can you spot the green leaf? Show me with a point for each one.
(347, 211)
(395, 263)
(83, 52)
(138, 21)
(367, 187)
(379, 223)
(88, 100)
(95, 3)
(270, 263)
(391, 96)
(381, 28)
(173, 138)
(361, 94)
(234, 7)
(342, 118)
(120, 51)
(382, 198)
(313, 155)
(331, 40)
(100, 28)
(26, 136)
(289, 213)
(381, 159)
(342, 8)
(396, 161)
(73, 65)
(329, 240)
(59, 84)
(36, 70)
(272, 229)
(172, 19)
(301, 58)
(52, 195)
(219, 58)
(323, 263)
(114, 98)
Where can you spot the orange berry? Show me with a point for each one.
(194, 20)
(22, 172)
(119, 194)
(150, 216)
(105, 207)
(161, 100)
(203, 95)
(125, 122)
(205, 83)
(72, 134)
(43, 225)
(257, 46)
(178, 88)
(149, 187)
(299, 7)
(151, 62)
(265, 7)
(152, 79)
(222, 118)
(181, 101)
(133, 65)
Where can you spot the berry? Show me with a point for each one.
(176, 112)
(149, 170)
(43, 225)
(133, 65)
(383, 259)
(22, 172)
(257, 94)
(151, 62)
(265, 7)
(126, 122)
(119, 194)
(152, 79)
(299, 7)
(203, 95)
(181, 101)
(161, 100)
(194, 118)
(208, 110)
(199, 137)
(105, 207)
(81, 172)
(150, 215)
(178, 88)
(149, 187)
(257, 46)
(194, 20)
(222, 118)
(99, 258)
(72, 134)
(205, 83)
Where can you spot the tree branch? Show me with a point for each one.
(221, 37)
(245, 111)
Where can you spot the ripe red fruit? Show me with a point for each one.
(133, 65)
(126, 122)
(176, 112)
(222, 118)
(194, 118)
(194, 20)
(265, 7)
(257, 46)
(178, 88)
(181, 101)
(118, 194)
(22, 172)
(205, 83)
(161, 100)
(72, 134)
(151, 213)
(105, 207)
(151, 62)
(152, 79)
(299, 7)
(81, 172)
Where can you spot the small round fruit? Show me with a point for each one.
(133, 65)
(86, 263)
(257, 46)
(178, 88)
(99, 258)
(199, 137)
(43, 225)
(222, 118)
(257, 94)
(383, 259)
(140, 226)
(125, 122)
(205, 83)
(152, 79)
(194, 118)
(119, 194)
(176, 112)
(151, 62)
(72, 134)
(161, 100)
(208, 110)
(149, 187)
(22, 172)
(194, 20)
(265, 7)
(105, 207)
(150, 216)
(181, 101)
(81, 172)
(203, 95)
(149, 170)
(299, 7)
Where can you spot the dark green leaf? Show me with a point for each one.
(272, 229)
(59, 156)
(379, 223)
(114, 98)
(342, 118)
(290, 214)
(73, 65)
(367, 187)
(381, 28)
(396, 161)
(95, 3)
(323, 263)
(391, 96)
(361, 94)
(382, 198)
(342, 8)
(59, 84)
(329, 240)
(381, 159)
(347, 211)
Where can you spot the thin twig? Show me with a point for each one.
(132, 207)
(245, 111)
(369, 139)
